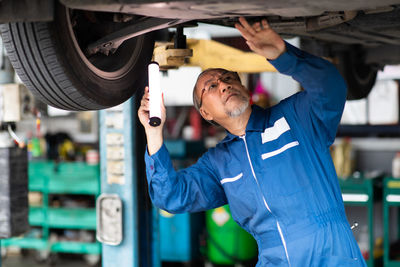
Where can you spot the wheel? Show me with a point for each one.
(25, 252)
(49, 58)
(350, 61)
(360, 77)
(53, 259)
(41, 256)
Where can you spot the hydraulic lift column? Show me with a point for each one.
(125, 220)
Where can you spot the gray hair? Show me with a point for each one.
(196, 100)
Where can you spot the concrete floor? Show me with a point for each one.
(18, 261)
(29, 258)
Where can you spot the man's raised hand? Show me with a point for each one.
(261, 38)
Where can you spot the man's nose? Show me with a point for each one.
(224, 86)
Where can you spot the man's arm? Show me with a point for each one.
(320, 107)
(192, 189)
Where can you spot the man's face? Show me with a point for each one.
(221, 94)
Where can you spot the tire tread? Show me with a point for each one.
(35, 57)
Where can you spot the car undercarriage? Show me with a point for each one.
(101, 47)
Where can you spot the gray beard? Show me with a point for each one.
(239, 109)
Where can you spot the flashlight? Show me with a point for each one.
(154, 94)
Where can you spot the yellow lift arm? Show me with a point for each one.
(210, 54)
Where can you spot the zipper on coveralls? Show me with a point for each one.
(265, 202)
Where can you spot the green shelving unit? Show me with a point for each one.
(362, 192)
(391, 198)
(49, 177)
(76, 247)
(26, 242)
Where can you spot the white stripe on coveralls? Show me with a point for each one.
(229, 180)
(280, 150)
(272, 133)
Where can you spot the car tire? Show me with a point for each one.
(350, 61)
(360, 77)
(48, 59)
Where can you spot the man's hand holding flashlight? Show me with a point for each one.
(154, 134)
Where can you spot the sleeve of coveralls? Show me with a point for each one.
(192, 189)
(321, 105)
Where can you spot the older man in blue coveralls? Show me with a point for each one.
(273, 168)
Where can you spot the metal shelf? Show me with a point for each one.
(76, 247)
(61, 178)
(36, 216)
(71, 218)
(63, 246)
(363, 192)
(391, 198)
(28, 243)
(64, 178)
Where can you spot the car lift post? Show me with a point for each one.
(122, 147)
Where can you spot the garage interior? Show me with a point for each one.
(73, 189)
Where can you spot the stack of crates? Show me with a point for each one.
(13, 192)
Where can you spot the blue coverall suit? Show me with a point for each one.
(278, 178)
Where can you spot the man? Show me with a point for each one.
(274, 167)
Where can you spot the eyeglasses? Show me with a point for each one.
(227, 77)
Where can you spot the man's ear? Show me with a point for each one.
(205, 114)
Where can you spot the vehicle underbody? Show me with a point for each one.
(362, 34)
